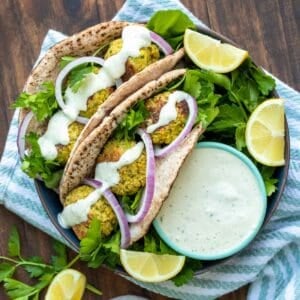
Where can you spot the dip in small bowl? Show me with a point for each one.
(216, 206)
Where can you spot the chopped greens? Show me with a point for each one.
(78, 74)
(97, 250)
(171, 25)
(43, 103)
(225, 103)
(35, 165)
(134, 118)
(130, 203)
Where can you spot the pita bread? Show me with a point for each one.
(81, 164)
(86, 43)
(82, 161)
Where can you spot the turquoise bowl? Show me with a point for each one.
(250, 236)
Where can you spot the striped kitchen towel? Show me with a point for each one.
(271, 263)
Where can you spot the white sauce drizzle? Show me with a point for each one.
(214, 205)
(134, 38)
(168, 113)
(56, 133)
(77, 212)
(107, 173)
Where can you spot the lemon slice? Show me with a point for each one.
(210, 54)
(265, 133)
(68, 284)
(149, 267)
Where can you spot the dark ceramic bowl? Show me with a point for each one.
(52, 205)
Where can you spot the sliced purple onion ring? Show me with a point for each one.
(82, 120)
(69, 67)
(193, 111)
(161, 43)
(22, 132)
(148, 192)
(111, 199)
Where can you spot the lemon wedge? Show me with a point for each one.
(265, 133)
(68, 284)
(210, 54)
(149, 267)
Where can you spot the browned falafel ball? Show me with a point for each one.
(95, 101)
(64, 151)
(101, 210)
(132, 176)
(165, 134)
(148, 55)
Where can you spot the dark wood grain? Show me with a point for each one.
(269, 29)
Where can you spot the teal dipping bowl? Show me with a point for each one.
(170, 240)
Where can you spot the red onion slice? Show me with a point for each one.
(148, 193)
(82, 120)
(111, 199)
(193, 111)
(161, 43)
(22, 132)
(69, 67)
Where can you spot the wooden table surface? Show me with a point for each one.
(269, 29)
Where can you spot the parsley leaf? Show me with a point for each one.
(78, 74)
(187, 273)
(171, 25)
(43, 103)
(65, 60)
(35, 165)
(133, 119)
(16, 289)
(230, 116)
(97, 250)
(266, 83)
(270, 182)
(59, 260)
(14, 243)
(35, 270)
(130, 203)
(240, 139)
(6, 270)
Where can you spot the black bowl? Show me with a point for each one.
(52, 205)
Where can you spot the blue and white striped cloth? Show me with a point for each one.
(271, 263)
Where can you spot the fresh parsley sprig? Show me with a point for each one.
(35, 267)
(36, 166)
(43, 103)
(97, 250)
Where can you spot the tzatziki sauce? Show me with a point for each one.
(215, 207)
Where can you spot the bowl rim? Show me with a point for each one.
(250, 235)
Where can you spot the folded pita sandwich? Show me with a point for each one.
(123, 171)
(101, 66)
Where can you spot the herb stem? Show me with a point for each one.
(238, 102)
(9, 259)
(72, 262)
(93, 289)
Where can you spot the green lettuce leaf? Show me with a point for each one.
(171, 25)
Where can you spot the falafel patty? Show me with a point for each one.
(64, 151)
(132, 176)
(95, 101)
(101, 210)
(148, 55)
(165, 134)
